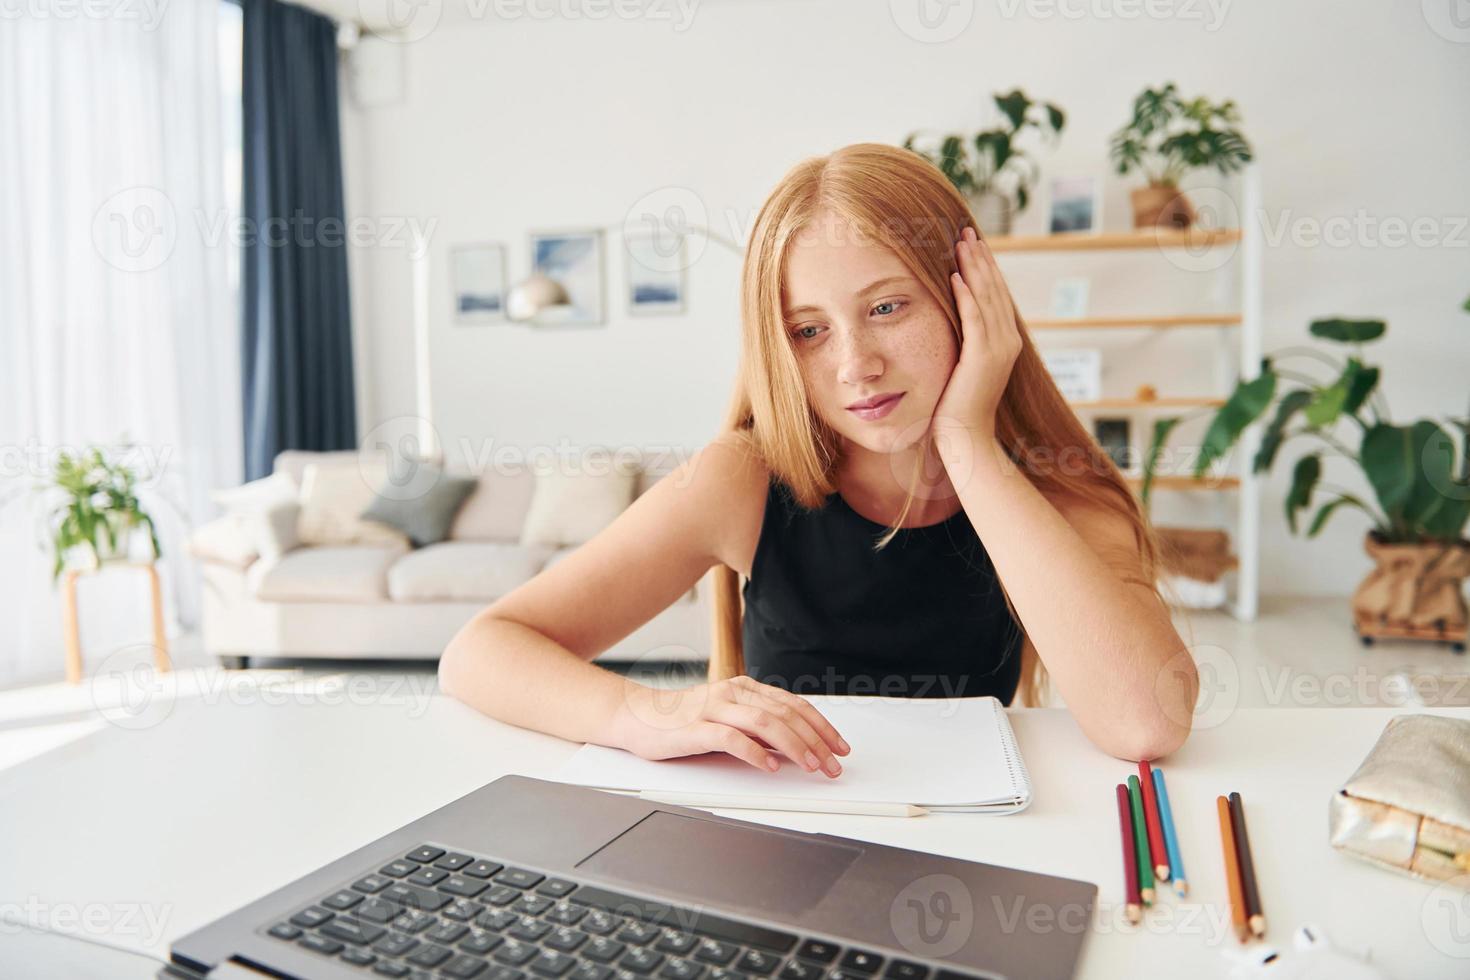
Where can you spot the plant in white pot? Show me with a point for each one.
(990, 168)
(1420, 480)
(99, 514)
(1168, 137)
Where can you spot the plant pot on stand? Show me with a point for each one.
(1416, 592)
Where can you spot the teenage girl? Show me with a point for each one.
(900, 503)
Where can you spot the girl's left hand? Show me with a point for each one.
(991, 343)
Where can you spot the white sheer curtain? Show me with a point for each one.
(116, 319)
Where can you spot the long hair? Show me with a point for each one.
(897, 199)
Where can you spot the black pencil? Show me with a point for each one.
(1255, 916)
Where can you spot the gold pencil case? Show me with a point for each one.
(1408, 805)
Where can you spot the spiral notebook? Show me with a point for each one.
(943, 754)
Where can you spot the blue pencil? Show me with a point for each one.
(1171, 839)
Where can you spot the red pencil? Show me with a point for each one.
(1130, 856)
(1160, 855)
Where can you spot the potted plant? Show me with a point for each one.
(99, 513)
(1167, 138)
(1420, 482)
(990, 168)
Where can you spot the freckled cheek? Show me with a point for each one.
(926, 357)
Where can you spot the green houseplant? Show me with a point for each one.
(99, 510)
(1167, 137)
(990, 167)
(1420, 482)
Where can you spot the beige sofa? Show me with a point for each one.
(393, 601)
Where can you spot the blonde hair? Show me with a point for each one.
(897, 199)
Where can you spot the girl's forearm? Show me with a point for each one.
(515, 674)
(1111, 649)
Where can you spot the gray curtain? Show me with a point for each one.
(296, 319)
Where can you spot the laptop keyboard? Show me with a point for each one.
(437, 913)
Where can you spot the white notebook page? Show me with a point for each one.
(923, 751)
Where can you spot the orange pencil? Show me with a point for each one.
(1232, 870)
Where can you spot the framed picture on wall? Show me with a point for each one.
(478, 274)
(655, 278)
(1069, 297)
(1077, 371)
(573, 259)
(1115, 436)
(1073, 205)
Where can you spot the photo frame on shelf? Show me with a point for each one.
(655, 279)
(477, 273)
(573, 258)
(1115, 435)
(1077, 372)
(1069, 298)
(1074, 205)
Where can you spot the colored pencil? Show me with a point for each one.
(1254, 915)
(1140, 840)
(1232, 870)
(1130, 859)
(1171, 837)
(1151, 819)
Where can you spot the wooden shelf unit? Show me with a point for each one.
(1245, 326)
(1170, 322)
(1087, 241)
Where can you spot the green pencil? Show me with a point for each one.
(1140, 835)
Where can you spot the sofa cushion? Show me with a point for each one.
(496, 509)
(333, 499)
(350, 573)
(265, 512)
(464, 570)
(571, 506)
(424, 506)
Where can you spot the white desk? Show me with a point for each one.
(221, 802)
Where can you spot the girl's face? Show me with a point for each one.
(862, 327)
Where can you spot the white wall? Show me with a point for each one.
(508, 125)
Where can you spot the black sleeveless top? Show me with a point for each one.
(826, 614)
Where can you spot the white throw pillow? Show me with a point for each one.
(570, 507)
(333, 497)
(263, 513)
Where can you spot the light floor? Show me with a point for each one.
(1300, 652)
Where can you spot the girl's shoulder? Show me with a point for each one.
(732, 483)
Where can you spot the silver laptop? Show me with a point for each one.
(526, 879)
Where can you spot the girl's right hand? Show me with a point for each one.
(740, 716)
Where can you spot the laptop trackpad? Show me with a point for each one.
(761, 870)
